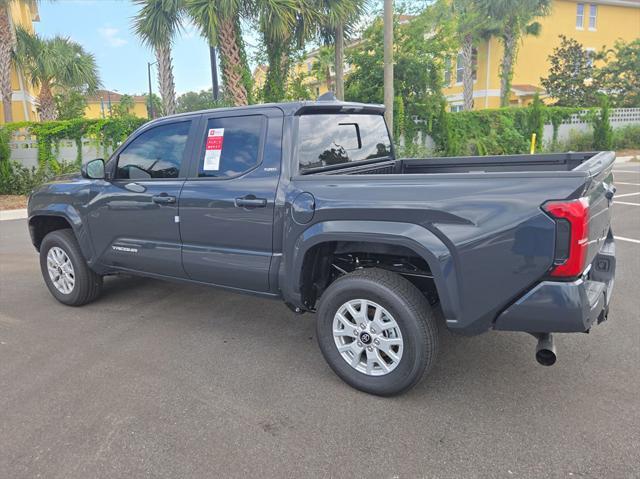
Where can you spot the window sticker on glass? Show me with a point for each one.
(213, 149)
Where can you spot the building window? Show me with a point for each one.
(447, 71)
(593, 14)
(309, 67)
(580, 16)
(460, 66)
(457, 107)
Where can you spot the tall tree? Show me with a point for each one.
(471, 22)
(338, 18)
(322, 65)
(571, 79)
(219, 23)
(283, 25)
(54, 65)
(6, 47)
(512, 20)
(156, 24)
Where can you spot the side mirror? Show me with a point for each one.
(93, 170)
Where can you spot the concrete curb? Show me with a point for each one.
(6, 215)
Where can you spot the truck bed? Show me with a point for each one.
(469, 164)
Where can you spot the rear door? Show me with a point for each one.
(133, 217)
(227, 203)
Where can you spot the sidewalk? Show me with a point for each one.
(13, 214)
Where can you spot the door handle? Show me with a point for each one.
(250, 201)
(163, 199)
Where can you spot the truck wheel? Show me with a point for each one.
(377, 331)
(65, 270)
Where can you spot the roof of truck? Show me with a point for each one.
(297, 107)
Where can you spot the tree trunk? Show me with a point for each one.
(232, 64)
(388, 62)
(276, 78)
(165, 79)
(328, 79)
(510, 44)
(6, 44)
(467, 71)
(46, 104)
(339, 62)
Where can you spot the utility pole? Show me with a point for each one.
(388, 62)
(150, 105)
(214, 72)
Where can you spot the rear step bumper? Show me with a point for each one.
(565, 307)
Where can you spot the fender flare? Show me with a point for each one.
(72, 216)
(417, 238)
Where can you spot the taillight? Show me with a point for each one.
(572, 235)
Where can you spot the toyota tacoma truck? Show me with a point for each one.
(306, 202)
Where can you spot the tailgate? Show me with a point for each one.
(599, 190)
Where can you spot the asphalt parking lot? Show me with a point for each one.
(163, 380)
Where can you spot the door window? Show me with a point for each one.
(232, 146)
(156, 153)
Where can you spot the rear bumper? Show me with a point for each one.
(565, 307)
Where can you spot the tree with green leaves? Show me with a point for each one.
(471, 24)
(620, 75)
(572, 78)
(53, 65)
(337, 22)
(418, 66)
(219, 23)
(511, 21)
(70, 104)
(157, 24)
(322, 63)
(202, 100)
(284, 25)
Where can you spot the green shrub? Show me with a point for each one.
(627, 138)
(602, 131)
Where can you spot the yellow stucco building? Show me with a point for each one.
(594, 24)
(23, 99)
(99, 105)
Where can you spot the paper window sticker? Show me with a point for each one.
(213, 149)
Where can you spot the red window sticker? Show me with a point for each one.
(213, 149)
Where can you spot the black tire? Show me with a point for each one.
(88, 284)
(408, 307)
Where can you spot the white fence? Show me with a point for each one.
(577, 123)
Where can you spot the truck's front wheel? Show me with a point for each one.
(376, 331)
(65, 271)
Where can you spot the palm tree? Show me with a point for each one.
(471, 22)
(156, 24)
(219, 23)
(322, 65)
(338, 19)
(54, 64)
(6, 46)
(512, 20)
(283, 24)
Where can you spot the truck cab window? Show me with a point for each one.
(232, 146)
(334, 139)
(156, 153)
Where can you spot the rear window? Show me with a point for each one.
(334, 139)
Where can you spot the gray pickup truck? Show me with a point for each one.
(306, 202)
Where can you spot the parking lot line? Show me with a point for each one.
(630, 240)
(625, 203)
(626, 171)
(628, 194)
(623, 183)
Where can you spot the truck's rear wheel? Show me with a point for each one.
(376, 331)
(65, 271)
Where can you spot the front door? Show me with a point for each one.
(227, 203)
(133, 217)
